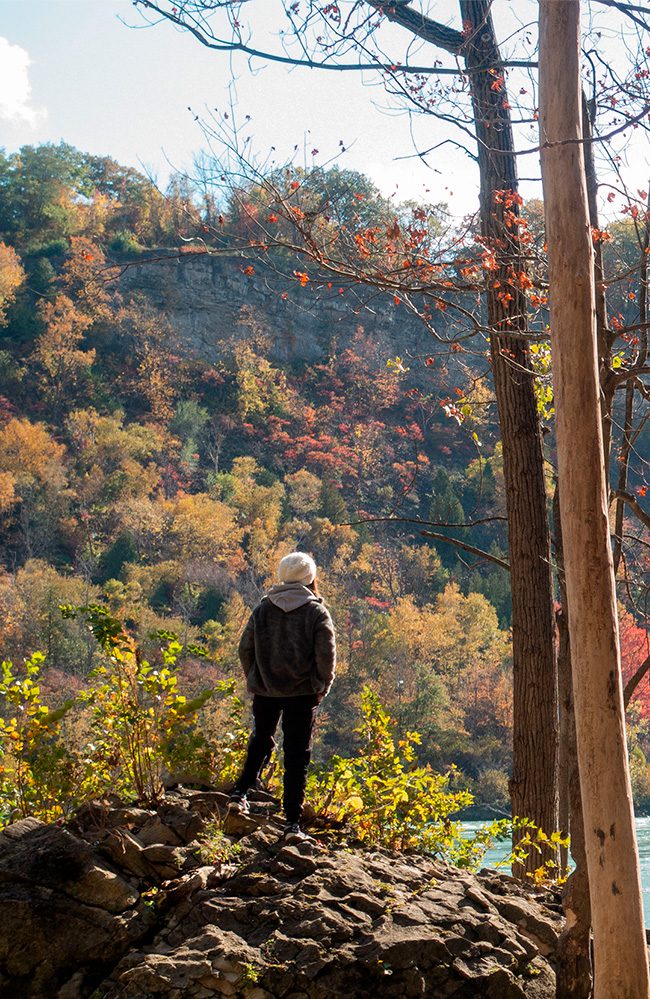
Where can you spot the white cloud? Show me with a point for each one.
(15, 89)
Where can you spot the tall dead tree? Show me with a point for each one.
(620, 957)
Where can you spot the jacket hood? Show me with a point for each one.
(290, 596)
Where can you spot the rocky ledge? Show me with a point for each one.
(121, 902)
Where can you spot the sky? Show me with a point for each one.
(89, 73)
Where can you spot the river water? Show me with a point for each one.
(501, 850)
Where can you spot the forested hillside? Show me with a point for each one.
(172, 421)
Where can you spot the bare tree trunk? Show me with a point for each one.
(602, 334)
(630, 390)
(623, 469)
(533, 786)
(573, 957)
(621, 966)
(566, 707)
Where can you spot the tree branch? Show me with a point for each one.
(467, 548)
(438, 34)
(633, 505)
(629, 9)
(423, 523)
(635, 680)
(400, 12)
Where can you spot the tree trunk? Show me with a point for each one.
(573, 958)
(603, 337)
(620, 958)
(566, 708)
(533, 786)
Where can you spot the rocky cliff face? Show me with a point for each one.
(203, 296)
(121, 903)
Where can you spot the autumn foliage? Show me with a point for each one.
(165, 486)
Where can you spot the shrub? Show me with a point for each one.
(125, 244)
(214, 846)
(39, 775)
(383, 796)
(127, 729)
(210, 747)
(137, 711)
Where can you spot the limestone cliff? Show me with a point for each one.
(202, 298)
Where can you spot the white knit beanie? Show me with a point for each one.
(297, 568)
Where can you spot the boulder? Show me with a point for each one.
(64, 912)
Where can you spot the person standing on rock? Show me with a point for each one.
(288, 653)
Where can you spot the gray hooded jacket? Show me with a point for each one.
(288, 647)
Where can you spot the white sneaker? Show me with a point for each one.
(294, 834)
(239, 805)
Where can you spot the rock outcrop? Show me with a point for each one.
(210, 304)
(122, 902)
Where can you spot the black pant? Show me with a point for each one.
(298, 716)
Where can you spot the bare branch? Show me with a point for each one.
(467, 548)
(634, 506)
(424, 523)
(438, 34)
(400, 12)
(635, 680)
(629, 9)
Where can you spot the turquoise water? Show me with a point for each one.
(501, 850)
